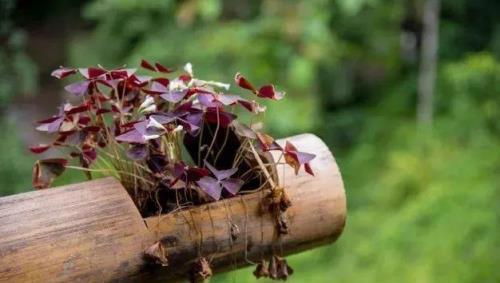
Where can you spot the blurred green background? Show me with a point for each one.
(423, 197)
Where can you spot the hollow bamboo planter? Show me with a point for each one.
(92, 232)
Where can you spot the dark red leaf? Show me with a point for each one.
(93, 129)
(84, 120)
(162, 68)
(188, 173)
(252, 106)
(77, 109)
(146, 65)
(185, 78)
(39, 148)
(195, 173)
(49, 120)
(115, 109)
(89, 154)
(308, 169)
(92, 72)
(242, 82)
(62, 72)
(122, 73)
(102, 111)
(268, 91)
(163, 81)
(225, 118)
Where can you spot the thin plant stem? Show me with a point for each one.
(215, 135)
(109, 170)
(262, 166)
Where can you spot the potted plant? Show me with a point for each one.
(174, 142)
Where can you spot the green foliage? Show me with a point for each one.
(15, 162)
(427, 200)
(17, 71)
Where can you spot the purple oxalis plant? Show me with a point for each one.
(134, 127)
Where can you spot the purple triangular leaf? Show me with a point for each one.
(207, 99)
(210, 186)
(232, 185)
(137, 152)
(132, 136)
(163, 118)
(304, 157)
(158, 87)
(51, 127)
(78, 88)
(221, 174)
(174, 96)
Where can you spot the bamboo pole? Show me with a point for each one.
(92, 232)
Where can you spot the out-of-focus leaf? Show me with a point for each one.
(146, 65)
(137, 152)
(78, 88)
(92, 73)
(39, 148)
(268, 91)
(242, 82)
(62, 72)
(45, 171)
(50, 125)
(162, 68)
